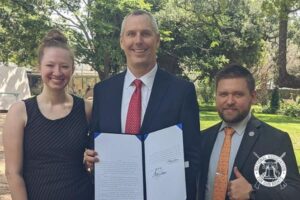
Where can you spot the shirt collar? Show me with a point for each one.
(147, 79)
(238, 127)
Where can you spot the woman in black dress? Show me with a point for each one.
(45, 136)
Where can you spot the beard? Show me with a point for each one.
(238, 117)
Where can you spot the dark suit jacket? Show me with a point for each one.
(172, 101)
(266, 140)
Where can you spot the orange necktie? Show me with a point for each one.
(133, 120)
(221, 178)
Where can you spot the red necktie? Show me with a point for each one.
(133, 120)
(221, 178)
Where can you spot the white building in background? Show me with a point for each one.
(14, 85)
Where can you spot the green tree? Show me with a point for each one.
(283, 9)
(275, 100)
(198, 37)
(21, 27)
(94, 27)
(204, 35)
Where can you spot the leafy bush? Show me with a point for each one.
(267, 110)
(298, 100)
(256, 108)
(274, 103)
(291, 109)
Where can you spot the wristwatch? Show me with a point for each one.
(252, 194)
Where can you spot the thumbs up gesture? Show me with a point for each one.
(240, 188)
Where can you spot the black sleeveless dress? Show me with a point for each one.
(53, 154)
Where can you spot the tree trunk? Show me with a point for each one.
(104, 72)
(100, 74)
(170, 64)
(107, 65)
(284, 78)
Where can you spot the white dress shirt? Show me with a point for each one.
(129, 88)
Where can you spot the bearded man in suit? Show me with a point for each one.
(237, 163)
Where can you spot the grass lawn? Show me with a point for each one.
(285, 123)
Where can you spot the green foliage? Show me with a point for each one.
(21, 28)
(267, 110)
(93, 28)
(282, 12)
(206, 91)
(298, 99)
(291, 109)
(275, 100)
(281, 8)
(256, 108)
(205, 35)
(198, 37)
(274, 105)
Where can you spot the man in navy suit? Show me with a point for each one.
(253, 173)
(166, 99)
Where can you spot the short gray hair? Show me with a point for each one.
(137, 13)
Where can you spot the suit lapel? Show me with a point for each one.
(160, 86)
(249, 139)
(210, 141)
(115, 102)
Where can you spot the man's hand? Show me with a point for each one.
(89, 158)
(240, 188)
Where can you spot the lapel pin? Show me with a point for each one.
(251, 133)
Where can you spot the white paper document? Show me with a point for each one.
(140, 167)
